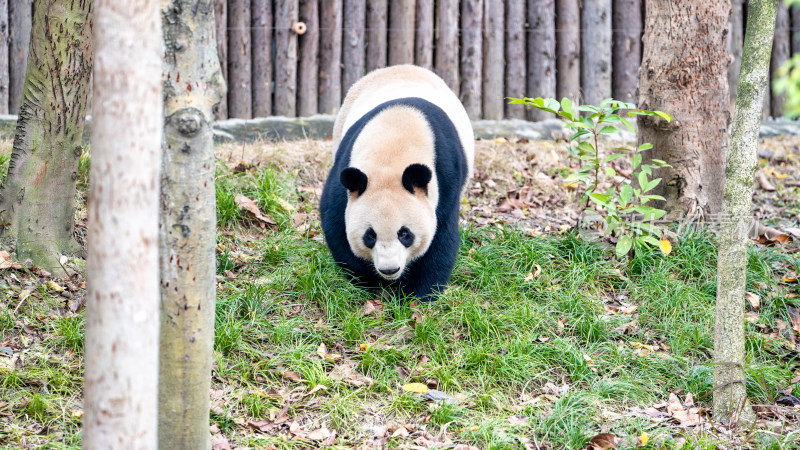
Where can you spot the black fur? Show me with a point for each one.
(428, 275)
(417, 175)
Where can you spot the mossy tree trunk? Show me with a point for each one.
(730, 396)
(193, 85)
(37, 199)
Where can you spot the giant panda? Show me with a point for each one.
(403, 149)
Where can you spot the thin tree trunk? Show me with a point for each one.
(493, 61)
(627, 49)
(729, 393)
(355, 16)
(780, 53)
(735, 47)
(401, 32)
(423, 38)
(221, 20)
(515, 57)
(596, 51)
(308, 70)
(568, 49)
(685, 73)
(188, 223)
(38, 195)
(471, 55)
(446, 57)
(377, 30)
(20, 19)
(121, 379)
(261, 36)
(239, 60)
(542, 44)
(330, 58)
(286, 14)
(4, 56)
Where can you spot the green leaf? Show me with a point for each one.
(650, 240)
(610, 171)
(663, 115)
(586, 147)
(651, 184)
(627, 124)
(652, 229)
(645, 146)
(578, 124)
(626, 193)
(587, 108)
(602, 200)
(642, 180)
(611, 157)
(566, 105)
(653, 197)
(608, 130)
(637, 159)
(624, 246)
(650, 213)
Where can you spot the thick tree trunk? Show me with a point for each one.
(355, 16)
(627, 49)
(684, 73)
(568, 49)
(20, 19)
(493, 61)
(188, 223)
(401, 32)
(780, 53)
(515, 57)
(596, 51)
(541, 54)
(423, 38)
(122, 303)
(471, 56)
(730, 394)
(38, 195)
(377, 23)
(308, 70)
(446, 57)
(261, 36)
(240, 78)
(330, 58)
(4, 56)
(735, 42)
(221, 20)
(286, 15)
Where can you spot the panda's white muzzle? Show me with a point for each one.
(389, 260)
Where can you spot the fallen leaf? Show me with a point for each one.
(604, 441)
(644, 438)
(250, 206)
(220, 443)
(53, 286)
(347, 373)
(5, 260)
(291, 376)
(438, 396)
(323, 353)
(416, 387)
(77, 413)
(755, 300)
(764, 182)
(665, 245)
(372, 307)
(319, 435)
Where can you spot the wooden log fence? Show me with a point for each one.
(299, 57)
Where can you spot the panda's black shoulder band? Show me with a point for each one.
(353, 180)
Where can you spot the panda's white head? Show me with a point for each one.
(390, 218)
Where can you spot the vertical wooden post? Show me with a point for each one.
(401, 32)
(286, 14)
(596, 51)
(780, 53)
(471, 55)
(423, 38)
(541, 54)
(353, 59)
(330, 58)
(4, 56)
(446, 54)
(308, 70)
(515, 57)
(493, 61)
(735, 44)
(568, 49)
(795, 29)
(627, 49)
(221, 22)
(239, 60)
(19, 26)
(262, 57)
(377, 29)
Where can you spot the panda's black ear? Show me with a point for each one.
(416, 176)
(353, 180)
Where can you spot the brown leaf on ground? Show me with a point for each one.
(754, 299)
(347, 373)
(604, 441)
(5, 260)
(768, 236)
(291, 376)
(763, 182)
(220, 442)
(245, 204)
(321, 434)
(372, 307)
(263, 425)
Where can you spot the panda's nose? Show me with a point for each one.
(389, 271)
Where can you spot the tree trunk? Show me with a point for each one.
(355, 16)
(541, 54)
(330, 58)
(221, 20)
(684, 72)
(38, 195)
(596, 51)
(446, 57)
(568, 49)
(795, 13)
(493, 62)
(515, 57)
(261, 36)
(121, 379)
(377, 23)
(730, 395)
(20, 19)
(286, 14)
(188, 222)
(627, 49)
(780, 53)
(735, 48)
(4, 56)
(239, 60)
(471, 55)
(401, 32)
(308, 70)
(423, 38)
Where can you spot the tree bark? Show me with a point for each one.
(330, 58)
(493, 61)
(568, 49)
(401, 32)
(780, 53)
(729, 393)
(3, 56)
(308, 70)
(38, 195)
(684, 72)
(423, 38)
(261, 36)
(596, 51)
(515, 57)
(240, 78)
(355, 16)
(20, 18)
(187, 224)
(121, 379)
(627, 49)
(541, 54)
(286, 14)
(735, 48)
(446, 57)
(471, 56)
(795, 13)
(377, 29)
(221, 20)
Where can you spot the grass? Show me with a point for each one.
(547, 360)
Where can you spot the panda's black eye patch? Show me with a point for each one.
(370, 238)
(405, 236)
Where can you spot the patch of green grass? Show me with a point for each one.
(71, 332)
